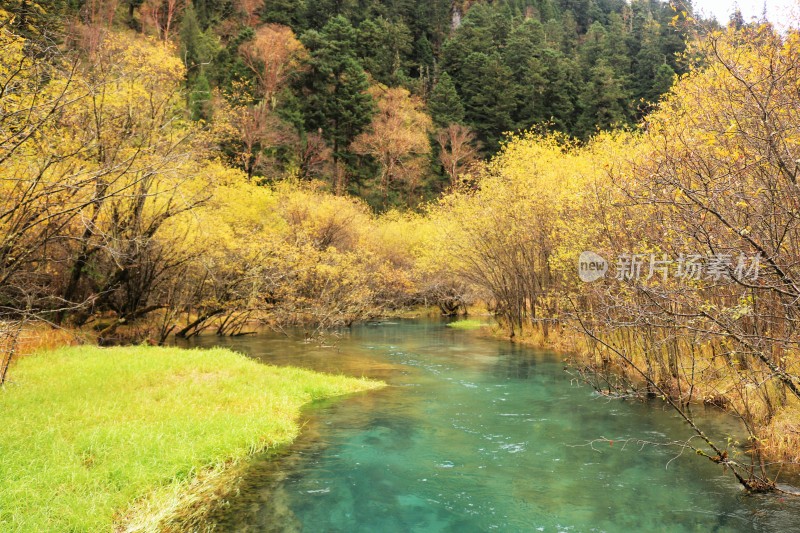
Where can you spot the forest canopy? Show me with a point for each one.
(295, 78)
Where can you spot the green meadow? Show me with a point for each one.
(95, 439)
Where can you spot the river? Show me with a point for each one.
(476, 434)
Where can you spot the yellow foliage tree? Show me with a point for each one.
(397, 138)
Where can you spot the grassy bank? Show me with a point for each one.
(468, 324)
(93, 439)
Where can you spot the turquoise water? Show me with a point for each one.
(480, 435)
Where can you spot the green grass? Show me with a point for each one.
(467, 324)
(86, 432)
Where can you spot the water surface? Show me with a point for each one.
(480, 435)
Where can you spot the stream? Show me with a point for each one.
(477, 434)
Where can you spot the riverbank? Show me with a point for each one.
(98, 439)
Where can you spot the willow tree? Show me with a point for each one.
(507, 235)
(96, 156)
(39, 196)
(709, 209)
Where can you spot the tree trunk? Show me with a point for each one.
(184, 333)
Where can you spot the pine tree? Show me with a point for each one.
(202, 11)
(569, 34)
(604, 101)
(594, 47)
(648, 61)
(522, 55)
(319, 13)
(200, 98)
(616, 47)
(190, 38)
(664, 78)
(445, 105)
(335, 87)
(559, 97)
(287, 12)
(489, 97)
(422, 58)
(547, 11)
(382, 49)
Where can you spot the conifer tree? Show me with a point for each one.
(445, 105)
(603, 100)
(335, 86)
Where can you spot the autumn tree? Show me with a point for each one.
(397, 139)
(117, 237)
(708, 196)
(728, 174)
(274, 56)
(250, 10)
(313, 156)
(457, 151)
(259, 130)
(34, 204)
(503, 237)
(34, 18)
(161, 16)
(99, 12)
(82, 217)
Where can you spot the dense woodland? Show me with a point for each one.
(294, 77)
(170, 167)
